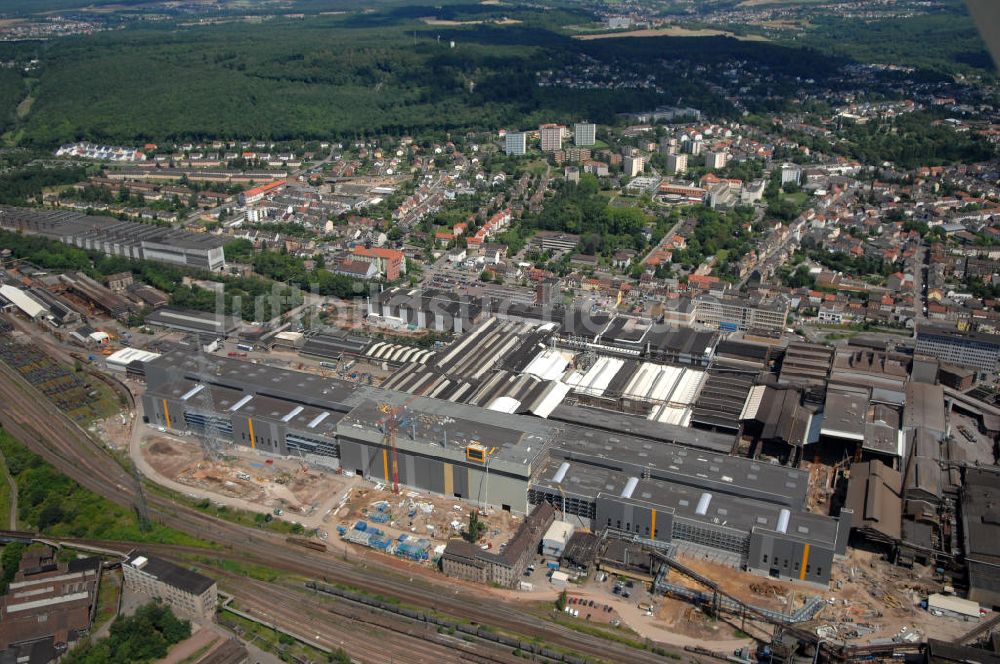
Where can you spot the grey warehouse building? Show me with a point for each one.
(675, 487)
(114, 237)
(666, 494)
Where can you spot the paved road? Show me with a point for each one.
(920, 268)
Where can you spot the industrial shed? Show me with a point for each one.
(23, 302)
(120, 360)
(874, 495)
(981, 527)
(199, 322)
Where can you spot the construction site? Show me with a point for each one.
(274, 484)
(876, 602)
(315, 497)
(870, 601)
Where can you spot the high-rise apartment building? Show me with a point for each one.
(551, 136)
(716, 159)
(584, 134)
(676, 163)
(515, 143)
(633, 165)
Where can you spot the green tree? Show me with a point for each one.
(10, 560)
(476, 527)
(145, 636)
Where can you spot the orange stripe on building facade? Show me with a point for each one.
(385, 464)
(253, 443)
(805, 561)
(652, 525)
(166, 413)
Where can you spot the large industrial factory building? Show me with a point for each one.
(666, 485)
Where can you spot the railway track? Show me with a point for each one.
(364, 632)
(338, 622)
(39, 426)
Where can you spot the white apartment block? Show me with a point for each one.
(516, 143)
(584, 134)
(188, 593)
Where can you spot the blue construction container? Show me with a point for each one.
(361, 525)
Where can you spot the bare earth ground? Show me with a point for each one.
(298, 489)
(284, 483)
(673, 31)
(446, 22)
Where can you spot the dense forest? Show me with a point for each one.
(24, 185)
(284, 80)
(944, 40)
(387, 71)
(381, 72)
(11, 92)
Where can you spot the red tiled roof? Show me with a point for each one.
(378, 252)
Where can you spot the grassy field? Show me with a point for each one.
(256, 572)
(799, 198)
(233, 515)
(106, 402)
(285, 647)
